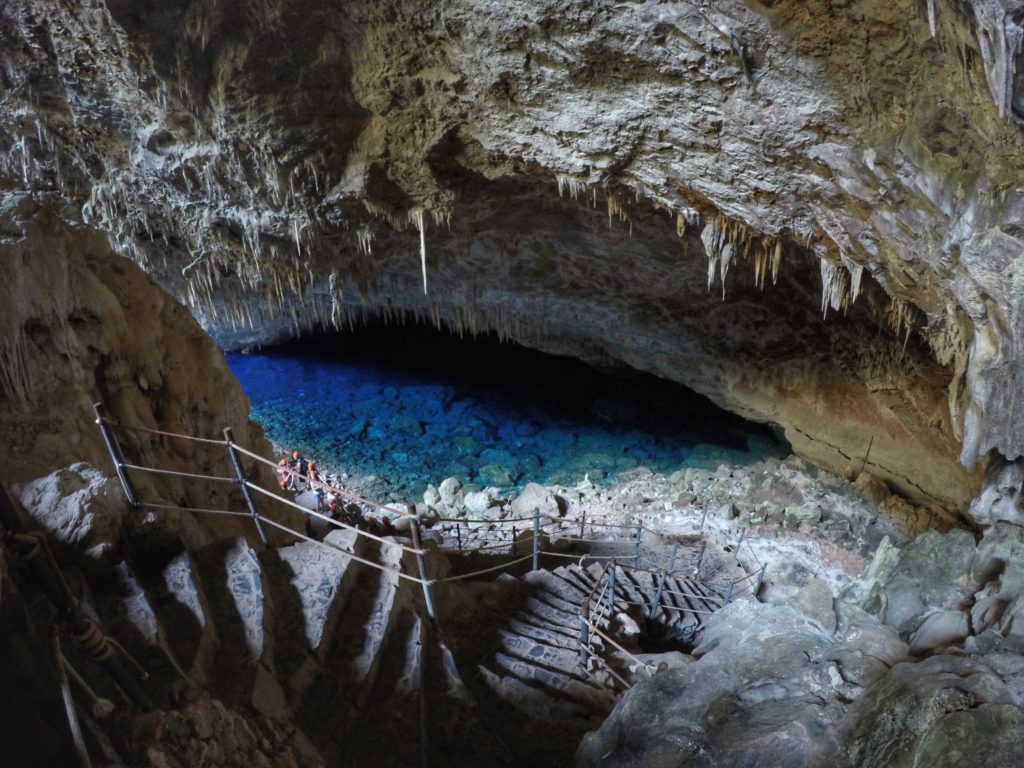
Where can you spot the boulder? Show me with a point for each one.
(535, 497)
(815, 600)
(448, 489)
(1000, 496)
(940, 630)
(80, 506)
(478, 502)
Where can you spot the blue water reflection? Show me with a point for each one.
(413, 407)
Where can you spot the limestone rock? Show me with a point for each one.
(939, 630)
(815, 600)
(82, 507)
(873, 489)
(478, 502)
(535, 497)
(943, 711)
(1000, 497)
(448, 489)
(933, 571)
(431, 497)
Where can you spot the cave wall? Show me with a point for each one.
(80, 324)
(602, 179)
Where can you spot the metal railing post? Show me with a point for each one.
(661, 583)
(536, 539)
(514, 534)
(583, 523)
(458, 534)
(700, 559)
(636, 550)
(728, 595)
(421, 563)
(740, 542)
(115, 455)
(236, 462)
(611, 589)
(585, 635)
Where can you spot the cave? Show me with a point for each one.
(660, 362)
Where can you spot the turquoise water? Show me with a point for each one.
(413, 406)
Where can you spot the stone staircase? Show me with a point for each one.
(343, 651)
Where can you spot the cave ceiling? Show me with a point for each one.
(809, 211)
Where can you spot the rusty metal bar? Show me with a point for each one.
(47, 572)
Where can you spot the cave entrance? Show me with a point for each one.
(411, 405)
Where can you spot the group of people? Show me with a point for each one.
(298, 474)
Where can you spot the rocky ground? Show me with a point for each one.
(883, 635)
(802, 521)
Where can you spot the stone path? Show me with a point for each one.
(344, 651)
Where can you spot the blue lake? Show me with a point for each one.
(413, 406)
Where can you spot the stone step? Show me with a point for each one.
(173, 594)
(697, 598)
(555, 658)
(389, 730)
(562, 639)
(231, 580)
(556, 683)
(310, 586)
(128, 614)
(458, 733)
(559, 584)
(530, 616)
(676, 595)
(339, 692)
(588, 579)
(552, 614)
(527, 700)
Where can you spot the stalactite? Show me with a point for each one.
(416, 217)
(834, 288)
(931, 17)
(615, 208)
(575, 187)
(856, 275)
(999, 38)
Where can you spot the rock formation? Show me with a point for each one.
(807, 210)
(804, 210)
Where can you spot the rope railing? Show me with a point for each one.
(176, 508)
(330, 520)
(327, 487)
(618, 646)
(353, 556)
(177, 473)
(503, 566)
(592, 611)
(162, 433)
